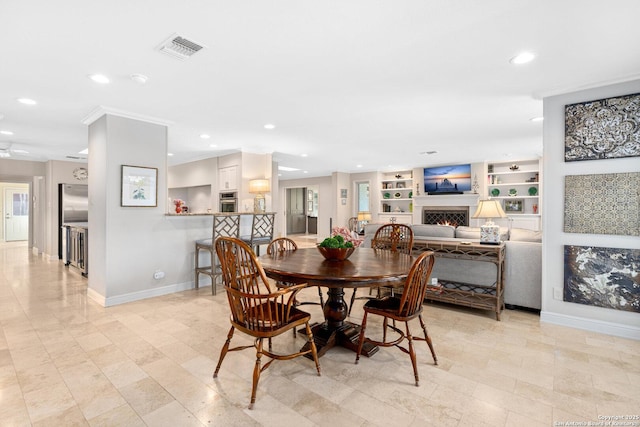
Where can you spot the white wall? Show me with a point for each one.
(616, 322)
(128, 244)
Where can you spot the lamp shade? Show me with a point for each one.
(259, 186)
(364, 216)
(489, 209)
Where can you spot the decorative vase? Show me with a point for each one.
(336, 254)
(178, 209)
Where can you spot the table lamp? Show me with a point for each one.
(259, 187)
(363, 219)
(489, 232)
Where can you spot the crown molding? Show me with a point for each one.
(104, 110)
(565, 90)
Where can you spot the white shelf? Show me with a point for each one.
(388, 179)
(514, 197)
(521, 180)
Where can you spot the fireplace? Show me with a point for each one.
(446, 215)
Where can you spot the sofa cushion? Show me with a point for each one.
(432, 230)
(524, 235)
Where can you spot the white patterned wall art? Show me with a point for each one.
(603, 129)
(602, 204)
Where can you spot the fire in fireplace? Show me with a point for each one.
(446, 215)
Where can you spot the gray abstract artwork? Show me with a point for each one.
(602, 277)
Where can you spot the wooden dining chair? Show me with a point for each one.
(257, 308)
(389, 237)
(403, 309)
(284, 244)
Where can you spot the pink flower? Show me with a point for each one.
(347, 235)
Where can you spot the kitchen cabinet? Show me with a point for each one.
(228, 178)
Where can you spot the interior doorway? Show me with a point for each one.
(15, 211)
(296, 211)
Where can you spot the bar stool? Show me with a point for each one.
(261, 231)
(227, 225)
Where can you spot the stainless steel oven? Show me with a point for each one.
(229, 202)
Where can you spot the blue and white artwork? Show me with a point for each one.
(447, 179)
(602, 277)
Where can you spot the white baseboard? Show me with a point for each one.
(616, 329)
(139, 295)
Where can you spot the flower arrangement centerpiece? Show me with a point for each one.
(178, 204)
(340, 245)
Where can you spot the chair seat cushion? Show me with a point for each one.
(205, 242)
(389, 303)
(262, 322)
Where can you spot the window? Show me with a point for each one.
(362, 193)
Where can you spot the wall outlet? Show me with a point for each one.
(158, 275)
(434, 281)
(557, 293)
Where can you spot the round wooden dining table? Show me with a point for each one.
(365, 268)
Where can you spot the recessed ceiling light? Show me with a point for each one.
(358, 166)
(20, 151)
(287, 169)
(522, 58)
(303, 155)
(305, 172)
(536, 119)
(27, 101)
(169, 154)
(205, 136)
(6, 132)
(269, 126)
(213, 145)
(85, 151)
(139, 78)
(99, 78)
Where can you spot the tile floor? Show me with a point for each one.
(66, 361)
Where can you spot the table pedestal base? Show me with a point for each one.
(335, 331)
(344, 336)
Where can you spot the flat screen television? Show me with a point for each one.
(447, 179)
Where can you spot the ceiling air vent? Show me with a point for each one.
(180, 47)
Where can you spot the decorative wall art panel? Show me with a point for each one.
(602, 277)
(602, 204)
(603, 129)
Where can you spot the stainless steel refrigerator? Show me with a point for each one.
(73, 207)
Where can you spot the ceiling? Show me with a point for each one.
(350, 85)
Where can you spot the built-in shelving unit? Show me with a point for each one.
(396, 197)
(517, 185)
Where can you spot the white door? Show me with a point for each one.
(16, 215)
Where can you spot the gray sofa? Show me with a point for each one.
(523, 261)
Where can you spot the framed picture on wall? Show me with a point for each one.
(310, 206)
(309, 194)
(139, 186)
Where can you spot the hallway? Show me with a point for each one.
(65, 360)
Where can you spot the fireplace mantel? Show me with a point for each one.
(470, 200)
